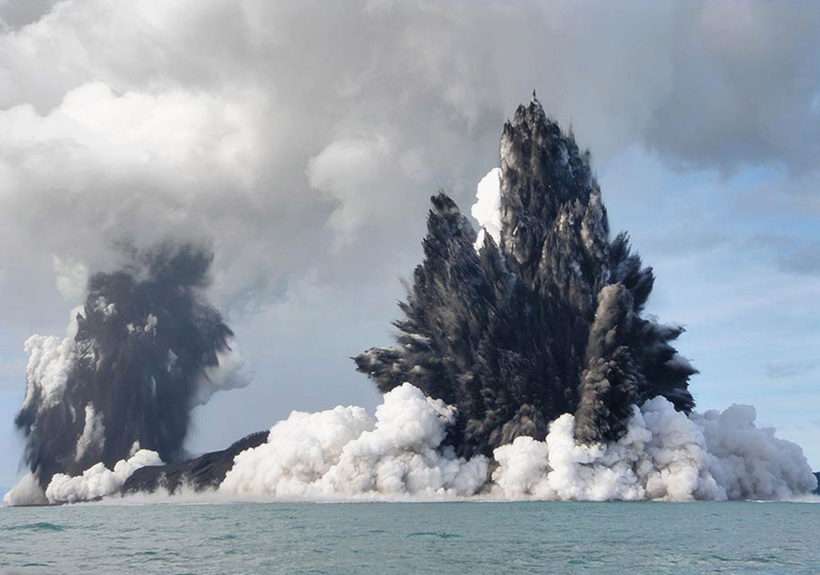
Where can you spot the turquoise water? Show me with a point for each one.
(526, 537)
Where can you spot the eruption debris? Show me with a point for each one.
(146, 351)
(537, 315)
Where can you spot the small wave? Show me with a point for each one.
(433, 534)
(223, 537)
(42, 526)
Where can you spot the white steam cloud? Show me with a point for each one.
(487, 208)
(665, 455)
(93, 435)
(231, 372)
(50, 359)
(98, 481)
(344, 453)
(26, 492)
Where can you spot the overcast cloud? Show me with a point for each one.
(286, 133)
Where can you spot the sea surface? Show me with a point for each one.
(458, 537)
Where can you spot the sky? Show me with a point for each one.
(301, 142)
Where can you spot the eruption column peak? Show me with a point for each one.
(539, 316)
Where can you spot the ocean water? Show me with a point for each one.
(459, 537)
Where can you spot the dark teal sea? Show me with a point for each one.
(378, 538)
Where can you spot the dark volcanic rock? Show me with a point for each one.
(544, 322)
(817, 475)
(205, 472)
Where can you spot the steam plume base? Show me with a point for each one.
(343, 454)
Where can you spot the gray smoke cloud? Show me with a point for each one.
(148, 348)
(15, 15)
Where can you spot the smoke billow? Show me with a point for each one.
(663, 454)
(147, 349)
(544, 318)
(98, 481)
(344, 453)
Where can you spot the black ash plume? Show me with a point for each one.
(138, 364)
(544, 322)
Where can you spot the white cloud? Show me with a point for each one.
(308, 127)
(487, 208)
(347, 171)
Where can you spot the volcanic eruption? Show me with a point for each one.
(536, 315)
(525, 369)
(146, 351)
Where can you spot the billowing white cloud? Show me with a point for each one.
(351, 173)
(96, 481)
(308, 127)
(344, 453)
(487, 208)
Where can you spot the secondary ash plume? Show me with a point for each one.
(537, 315)
(148, 348)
